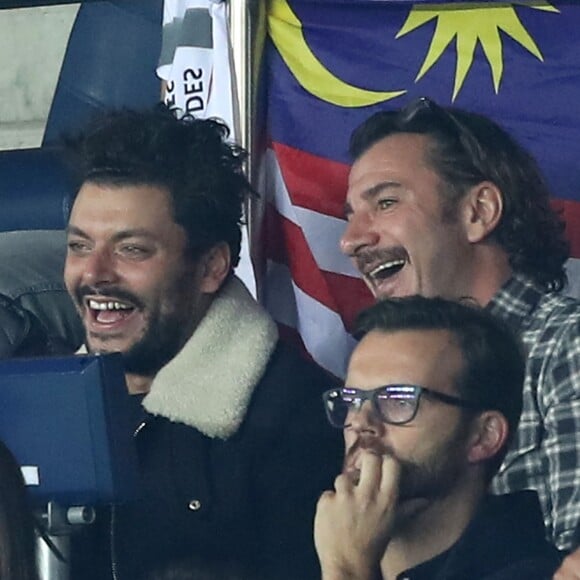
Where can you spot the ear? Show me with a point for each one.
(489, 434)
(215, 265)
(482, 209)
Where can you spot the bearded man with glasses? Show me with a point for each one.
(444, 202)
(432, 396)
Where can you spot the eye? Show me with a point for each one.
(78, 247)
(134, 251)
(396, 409)
(386, 203)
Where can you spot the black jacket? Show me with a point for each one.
(504, 541)
(244, 483)
(251, 496)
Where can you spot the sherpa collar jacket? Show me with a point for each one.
(234, 452)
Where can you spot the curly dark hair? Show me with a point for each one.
(466, 149)
(494, 362)
(191, 158)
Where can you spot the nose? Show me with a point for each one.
(99, 268)
(359, 234)
(364, 419)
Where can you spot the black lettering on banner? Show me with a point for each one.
(195, 74)
(190, 87)
(194, 104)
(170, 94)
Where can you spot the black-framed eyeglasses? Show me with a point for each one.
(394, 404)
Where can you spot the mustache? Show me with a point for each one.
(112, 292)
(370, 257)
(367, 444)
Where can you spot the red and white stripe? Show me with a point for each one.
(309, 287)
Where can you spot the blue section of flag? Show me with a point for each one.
(416, 2)
(538, 102)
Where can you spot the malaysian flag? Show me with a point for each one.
(329, 64)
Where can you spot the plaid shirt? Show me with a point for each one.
(545, 454)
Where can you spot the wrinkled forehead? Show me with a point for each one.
(393, 158)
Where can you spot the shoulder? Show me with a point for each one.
(290, 367)
(553, 325)
(291, 380)
(558, 307)
(290, 393)
(493, 549)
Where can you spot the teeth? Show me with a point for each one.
(94, 305)
(386, 266)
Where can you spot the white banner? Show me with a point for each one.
(196, 64)
(196, 61)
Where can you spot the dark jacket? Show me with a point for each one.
(226, 490)
(505, 541)
(37, 316)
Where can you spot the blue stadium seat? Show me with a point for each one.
(110, 62)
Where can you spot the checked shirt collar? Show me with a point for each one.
(515, 301)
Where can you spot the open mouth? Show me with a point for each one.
(386, 270)
(105, 311)
(380, 266)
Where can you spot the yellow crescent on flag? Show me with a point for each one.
(285, 30)
(469, 23)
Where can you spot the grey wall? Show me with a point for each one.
(32, 45)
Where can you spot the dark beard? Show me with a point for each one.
(163, 340)
(164, 337)
(431, 480)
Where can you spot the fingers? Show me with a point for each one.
(324, 503)
(326, 496)
(344, 483)
(353, 523)
(390, 477)
(378, 476)
(370, 472)
(378, 473)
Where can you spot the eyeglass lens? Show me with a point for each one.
(396, 404)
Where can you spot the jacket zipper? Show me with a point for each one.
(113, 553)
(114, 566)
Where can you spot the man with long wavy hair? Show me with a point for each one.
(444, 202)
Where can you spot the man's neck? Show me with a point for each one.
(491, 271)
(426, 532)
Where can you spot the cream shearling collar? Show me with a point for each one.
(209, 383)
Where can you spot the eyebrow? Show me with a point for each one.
(118, 236)
(372, 192)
